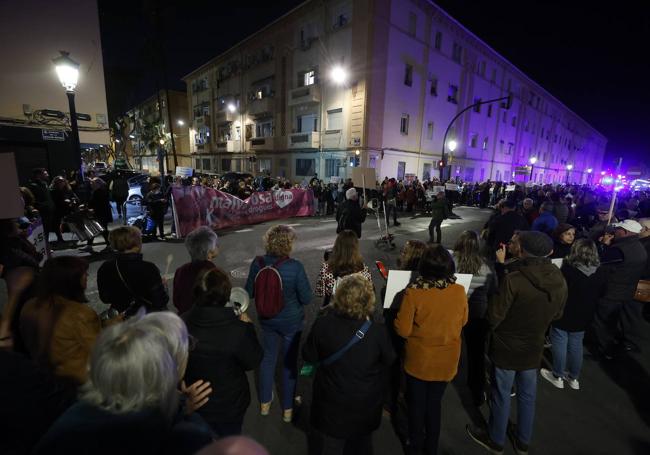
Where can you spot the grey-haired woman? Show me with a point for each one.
(585, 281)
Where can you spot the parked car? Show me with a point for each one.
(100, 167)
(136, 195)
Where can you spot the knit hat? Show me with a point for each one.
(561, 229)
(351, 194)
(535, 243)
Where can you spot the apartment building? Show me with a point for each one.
(376, 83)
(160, 116)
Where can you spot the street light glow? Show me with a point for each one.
(117, 141)
(67, 70)
(590, 170)
(339, 75)
(357, 152)
(451, 145)
(569, 167)
(603, 172)
(180, 122)
(533, 159)
(131, 136)
(162, 141)
(231, 108)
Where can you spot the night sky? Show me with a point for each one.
(592, 56)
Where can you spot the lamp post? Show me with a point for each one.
(589, 172)
(568, 172)
(532, 160)
(339, 77)
(506, 105)
(68, 72)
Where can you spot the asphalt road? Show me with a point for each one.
(609, 415)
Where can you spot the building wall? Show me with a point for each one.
(32, 33)
(376, 42)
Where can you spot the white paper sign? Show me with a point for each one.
(36, 236)
(183, 171)
(398, 280)
(451, 186)
(438, 189)
(557, 262)
(511, 187)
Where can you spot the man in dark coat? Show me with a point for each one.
(519, 314)
(439, 213)
(624, 261)
(504, 226)
(43, 199)
(157, 203)
(350, 215)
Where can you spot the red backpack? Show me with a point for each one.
(269, 300)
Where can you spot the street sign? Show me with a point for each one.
(182, 171)
(53, 135)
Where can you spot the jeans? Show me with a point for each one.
(290, 340)
(567, 352)
(435, 224)
(361, 445)
(424, 399)
(502, 381)
(475, 333)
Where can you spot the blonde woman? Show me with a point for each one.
(344, 260)
(286, 326)
(349, 391)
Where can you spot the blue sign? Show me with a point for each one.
(53, 135)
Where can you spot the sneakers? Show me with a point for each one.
(520, 447)
(550, 377)
(481, 437)
(265, 408)
(287, 415)
(573, 383)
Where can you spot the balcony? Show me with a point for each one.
(225, 116)
(332, 139)
(261, 106)
(203, 120)
(229, 146)
(308, 140)
(264, 143)
(304, 95)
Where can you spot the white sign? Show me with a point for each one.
(398, 280)
(511, 187)
(182, 171)
(451, 186)
(36, 236)
(557, 262)
(438, 189)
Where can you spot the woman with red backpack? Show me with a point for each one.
(281, 288)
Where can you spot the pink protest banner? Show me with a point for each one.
(200, 206)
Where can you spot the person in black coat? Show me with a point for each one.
(157, 203)
(43, 199)
(226, 347)
(563, 237)
(100, 203)
(586, 283)
(348, 394)
(350, 215)
(127, 282)
(504, 226)
(64, 202)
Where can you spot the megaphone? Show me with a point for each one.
(239, 300)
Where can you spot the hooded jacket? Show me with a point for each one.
(585, 285)
(520, 312)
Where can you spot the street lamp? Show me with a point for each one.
(68, 72)
(180, 122)
(568, 172)
(231, 108)
(532, 160)
(338, 75)
(451, 145)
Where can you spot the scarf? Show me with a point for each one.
(422, 283)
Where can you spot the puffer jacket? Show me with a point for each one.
(520, 312)
(296, 290)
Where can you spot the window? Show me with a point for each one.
(477, 107)
(306, 78)
(510, 147)
(307, 123)
(457, 53)
(482, 174)
(225, 164)
(526, 127)
(331, 167)
(264, 128)
(503, 117)
(514, 120)
(485, 143)
(437, 42)
(541, 133)
(509, 85)
(206, 164)
(452, 94)
(404, 124)
(473, 140)
(408, 75)
(494, 75)
(501, 143)
(340, 20)
(469, 174)
(264, 164)
(305, 166)
(413, 23)
(481, 69)
(401, 170)
(489, 112)
(335, 119)
(433, 89)
(430, 130)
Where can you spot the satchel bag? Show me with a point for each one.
(642, 293)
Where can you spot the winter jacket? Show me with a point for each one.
(439, 210)
(101, 205)
(483, 285)
(348, 395)
(431, 320)
(350, 215)
(546, 222)
(59, 335)
(527, 301)
(623, 276)
(585, 286)
(142, 278)
(43, 199)
(296, 291)
(226, 348)
(502, 228)
(184, 280)
(119, 189)
(646, 244)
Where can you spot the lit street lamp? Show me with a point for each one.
(569, 167)
(338, 75)
(533, 160)
(451, 145)
(180, 122)
(68, 72)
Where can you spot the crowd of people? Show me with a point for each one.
(147, 376)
